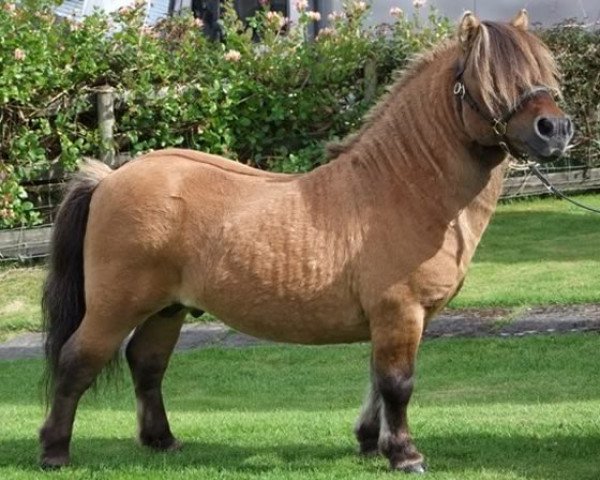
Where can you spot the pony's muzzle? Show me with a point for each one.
(551, 136)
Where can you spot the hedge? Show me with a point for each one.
(272, 104)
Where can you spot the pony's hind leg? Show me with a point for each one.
(396, 333)
(82, 358)
(148, 354)
(369, 422)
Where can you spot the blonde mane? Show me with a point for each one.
(505, 61)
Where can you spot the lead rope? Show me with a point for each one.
(533, 167)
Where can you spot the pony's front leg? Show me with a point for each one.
(369, 422)
(396, 333)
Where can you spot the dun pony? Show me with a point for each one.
(368, 247)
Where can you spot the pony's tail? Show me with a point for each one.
(63, 298)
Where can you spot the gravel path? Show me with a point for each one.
(452, 323)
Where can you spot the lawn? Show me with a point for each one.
(483, 409)
(535, 252)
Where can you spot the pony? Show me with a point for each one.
(368, 247)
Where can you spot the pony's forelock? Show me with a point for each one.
(506, 62)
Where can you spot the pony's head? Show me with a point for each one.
(506, 81)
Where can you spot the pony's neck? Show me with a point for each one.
(415, 147)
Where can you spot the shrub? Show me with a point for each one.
(271, 104)
(578, 52)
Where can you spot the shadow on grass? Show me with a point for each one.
(515, 237)
(528, 456)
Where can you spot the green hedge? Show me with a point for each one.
(271, 104)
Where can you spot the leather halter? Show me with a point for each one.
(499, 124)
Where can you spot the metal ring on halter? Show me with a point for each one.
(459, 89)
(499, 127)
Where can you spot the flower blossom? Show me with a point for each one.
(198, 22)
(360, 7)
(276, 19)
(301, 5)
(326, 32)
(396, 12)
(419, 3)
(314, 16)
(9, 7)
(334, 16)
(233, 56)
(19, 54)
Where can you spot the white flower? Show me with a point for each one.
(233, 56)
(419, 3)
(314, 16)
(396, 12)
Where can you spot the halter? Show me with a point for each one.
(499, 124)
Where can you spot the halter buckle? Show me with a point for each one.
(459, 89)
(499, 127)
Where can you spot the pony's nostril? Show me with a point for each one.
(545, 127)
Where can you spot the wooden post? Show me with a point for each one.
(370, 80)
(106, 122)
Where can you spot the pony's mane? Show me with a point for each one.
(401, 78)
(506, 61)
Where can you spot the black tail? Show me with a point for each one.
(63, 299)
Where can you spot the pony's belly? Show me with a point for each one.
(293, 322)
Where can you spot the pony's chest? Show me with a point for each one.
(438, 279)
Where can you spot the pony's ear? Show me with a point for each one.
(521, 20)
(468, 29)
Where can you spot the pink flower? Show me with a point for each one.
(301, 5)
(314, 16)
(9, 7)
(233, 56)
(419, 3)
(263, 3)
(19, 54)
(334, 16)
(198, 22)
(396, 12)
(276, 19)
(326, 32)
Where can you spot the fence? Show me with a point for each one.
(30, 243)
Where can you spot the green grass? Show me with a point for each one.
(535, 252)
(20, 294)
(486, 409)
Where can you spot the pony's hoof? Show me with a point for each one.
(53, 463)
(368, 449)
(418, 468)
(409, 466)
(169, 444)
(175, 446)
